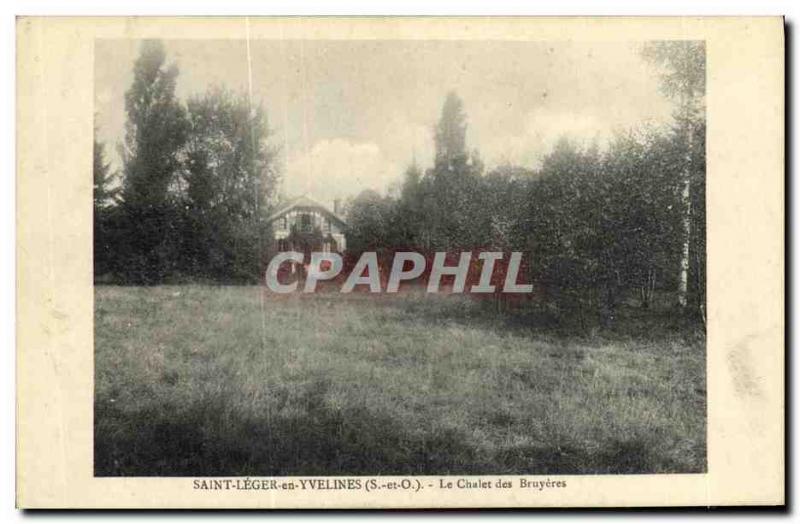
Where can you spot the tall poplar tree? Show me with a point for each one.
(453, 199)
(155, 132)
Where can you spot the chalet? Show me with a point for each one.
(305, 225)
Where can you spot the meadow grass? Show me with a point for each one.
(193, 380)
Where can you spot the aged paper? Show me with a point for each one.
(400, 262)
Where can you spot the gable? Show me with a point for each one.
(306, 204)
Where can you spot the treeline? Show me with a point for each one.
(192, 196)
(599, 228)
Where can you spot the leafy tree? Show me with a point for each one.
(505, 189)
(410, 210)
(371, 224)
(450, 135)
(230, 179)
(155, 132)
(683, 71)
(601, 229)
(566, 237)
(605, 228)
(644, 207)
(452, 197)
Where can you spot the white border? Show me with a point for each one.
(9, 9)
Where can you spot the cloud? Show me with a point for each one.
(353, 114)
(342, 167)
(338, 168)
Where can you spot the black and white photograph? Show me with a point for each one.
(399, 257)
(400, 262)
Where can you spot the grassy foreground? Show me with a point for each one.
(226, 381)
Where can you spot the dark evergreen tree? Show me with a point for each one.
(104, 212)
(105, 194)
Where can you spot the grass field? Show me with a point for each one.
(197, 380)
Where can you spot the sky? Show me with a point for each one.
(351, 115)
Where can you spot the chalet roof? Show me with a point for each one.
(304, 203)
